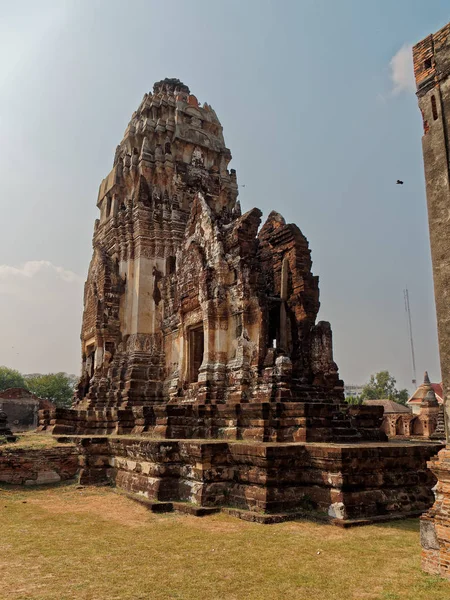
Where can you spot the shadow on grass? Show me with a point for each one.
(10, 488)
(402, 525)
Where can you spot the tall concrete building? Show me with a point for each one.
(432, 71)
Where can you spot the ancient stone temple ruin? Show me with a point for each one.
(200, 341)
(432, 72)
(191, 310)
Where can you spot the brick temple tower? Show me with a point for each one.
(432, 72)
(172, 149)
(199, 325)
(197, 322)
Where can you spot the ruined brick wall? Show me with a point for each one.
(400, 425)
(21, 408)
(22, 414)
(25, 466)
(286, 264)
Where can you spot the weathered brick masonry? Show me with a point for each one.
(200, 335)
(22, 408)
(432, 72)
(26, 466)
(262, 421)
(345, 482)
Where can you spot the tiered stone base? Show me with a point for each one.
(435, 524)
(347, 484)
(262, 421)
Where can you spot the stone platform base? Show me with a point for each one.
(435, 524)
(266, 481)
(258, 421)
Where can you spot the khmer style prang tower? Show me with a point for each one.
(201, 326)
(186, 303)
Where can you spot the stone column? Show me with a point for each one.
(431, 62)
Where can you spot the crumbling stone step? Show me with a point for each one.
(270, 519)
(152, 505)
(196, 511)
(346, 523)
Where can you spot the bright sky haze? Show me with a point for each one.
(317, 102)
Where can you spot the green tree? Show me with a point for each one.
(382, 386)
(57, 387)
(402, 396)
(10, 378)
(354, 400)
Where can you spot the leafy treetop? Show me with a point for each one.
(382, 386)
(57, 387)
(9, 378)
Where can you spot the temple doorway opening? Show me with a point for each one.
(196, 342)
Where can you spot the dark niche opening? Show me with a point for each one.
(88, 369)
(274, 326)
(170, 265)
(196, 342)
(427, 64)
(434, 108)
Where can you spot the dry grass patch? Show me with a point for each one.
(31, 440)
(84, 544)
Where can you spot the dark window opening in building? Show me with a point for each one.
(108, 206)
(434, 108)
(90, 363)
(274, 327)
(238, 320)
(196, 349)
(427, 64)
(89, 369)
(170, 265)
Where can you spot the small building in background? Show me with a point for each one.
(422, 417)
(396, 417)
(416, 399)
(22, 408)
(353, 391)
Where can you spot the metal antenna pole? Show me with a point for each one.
(408, 313)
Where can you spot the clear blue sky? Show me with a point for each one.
(317, 128)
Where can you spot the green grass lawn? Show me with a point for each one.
(65, 543)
